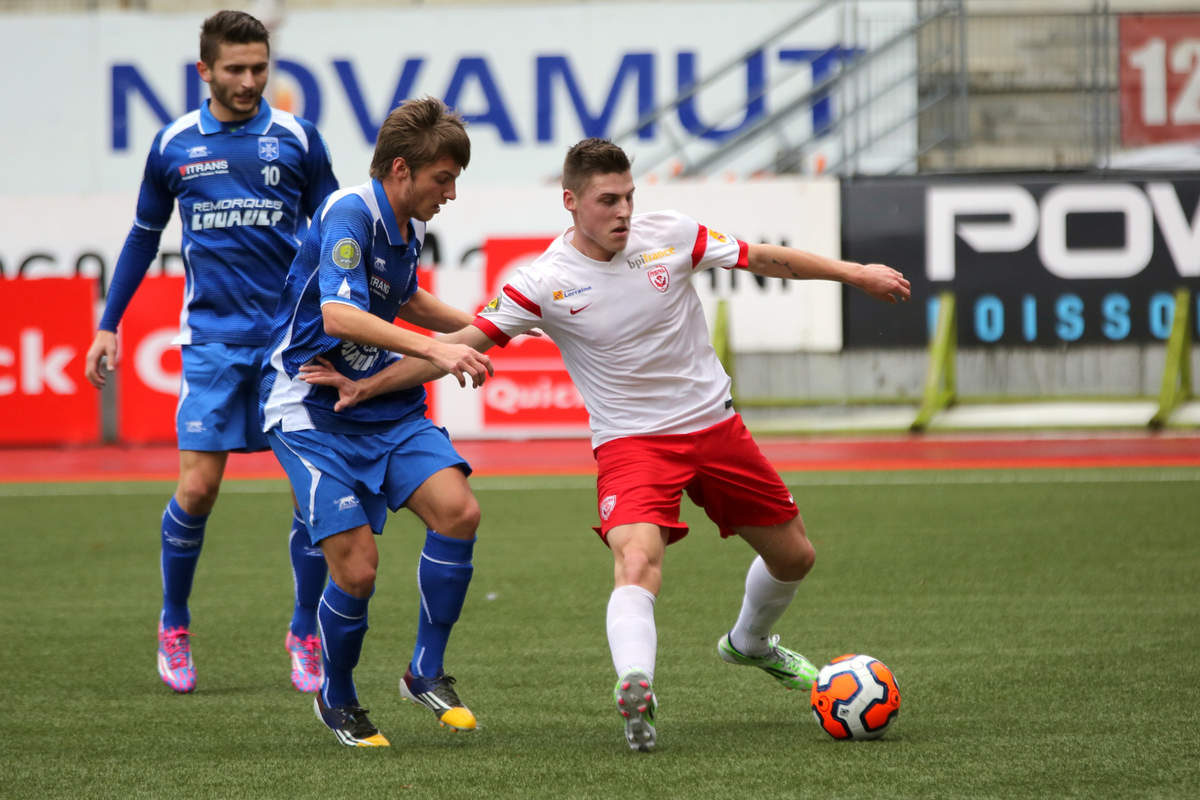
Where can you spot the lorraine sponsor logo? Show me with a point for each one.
(660, 277)
(544, 394)
(563, 294)
(234, 211)
(607, 505)
(493, 305)
(201, 169)
(643, 260)
(720, 237)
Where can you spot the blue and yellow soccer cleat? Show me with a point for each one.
(349, 724)
(438, 695)
(792, 670)
(636, 704)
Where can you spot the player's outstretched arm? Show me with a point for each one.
(353, 324)
(427, 311)
(878, 280)
(402, 374)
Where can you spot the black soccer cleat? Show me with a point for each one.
(349, 724)
(438, 695)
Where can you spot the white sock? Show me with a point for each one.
(632, 637)
(765, 601)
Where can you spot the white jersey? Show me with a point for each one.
(631, 330)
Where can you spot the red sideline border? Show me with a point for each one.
(574, 456)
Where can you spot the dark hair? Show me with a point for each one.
(230, 27)
(420, 131)
(592, 157)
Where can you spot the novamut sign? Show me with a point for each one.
(530, 81)
(1035, 260)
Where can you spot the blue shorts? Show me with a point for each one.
(342, 481)
(218, 398)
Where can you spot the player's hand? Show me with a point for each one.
(322, 373)
(884, 283)
(461, 361)
(101, 358)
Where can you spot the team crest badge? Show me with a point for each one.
(607, 505)
(268, 148)
(660, 277)
(346, 253)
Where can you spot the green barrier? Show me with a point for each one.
(1177, 372)
(939, 392)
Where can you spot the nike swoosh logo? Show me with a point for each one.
(575, 311)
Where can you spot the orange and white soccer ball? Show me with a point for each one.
(855, 697)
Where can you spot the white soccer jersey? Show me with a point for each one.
(631, 330)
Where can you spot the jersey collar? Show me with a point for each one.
(259, 124)
(390, 225)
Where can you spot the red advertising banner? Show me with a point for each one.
(149, 365)
(45, 331)
(1159, 78)
(531, 388)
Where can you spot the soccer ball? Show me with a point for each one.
(855, 697)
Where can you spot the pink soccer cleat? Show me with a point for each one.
(175, 659)
(307, 671)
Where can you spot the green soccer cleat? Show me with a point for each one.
(636, 703)
(792, 670)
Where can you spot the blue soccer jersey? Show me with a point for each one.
(353, 254)
(244, 191)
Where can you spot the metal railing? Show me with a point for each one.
(921, 53)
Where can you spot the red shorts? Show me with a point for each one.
(642, 479)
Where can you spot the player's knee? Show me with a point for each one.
(795, 559)
(357, 578)
(801, 560)
(806, 557)
(197, 494)
(635, 565)
(461, 520)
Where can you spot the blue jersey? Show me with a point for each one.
(353, 254)
(245, 191)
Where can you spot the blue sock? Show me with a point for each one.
(308, 574)
(343, 624)
(443, 575)
(182, 538)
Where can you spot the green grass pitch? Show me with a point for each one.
(1044, 627)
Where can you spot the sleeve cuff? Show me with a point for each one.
(491, 331)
